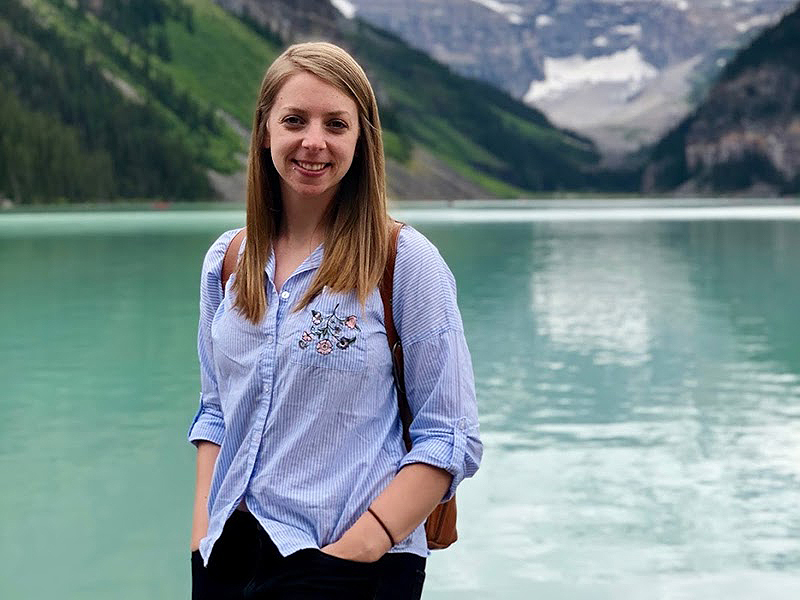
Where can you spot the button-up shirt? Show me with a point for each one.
(303, 404)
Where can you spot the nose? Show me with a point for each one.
(314, 138)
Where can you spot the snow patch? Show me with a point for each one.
(544, 20)
(512, 12)
(682, 4)
(348, 9)
(634, 31)
(756, 21)
(562, 74)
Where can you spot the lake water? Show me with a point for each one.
(638, 378)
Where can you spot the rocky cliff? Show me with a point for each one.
(745, 137)
(619, 71)
(458, 137)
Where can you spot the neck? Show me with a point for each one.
(301, 224)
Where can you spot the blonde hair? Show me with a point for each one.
(356, 223)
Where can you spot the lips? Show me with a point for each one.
(309, 167)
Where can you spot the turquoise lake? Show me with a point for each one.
(638, 377)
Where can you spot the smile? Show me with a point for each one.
(311, 166)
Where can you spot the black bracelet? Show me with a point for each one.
(382, 524)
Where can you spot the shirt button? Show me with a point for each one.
(462, 424)
(284, 294)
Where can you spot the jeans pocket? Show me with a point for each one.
(344, 562)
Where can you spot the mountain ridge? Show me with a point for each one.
(191, 74)
(620, 72)
(745, 136)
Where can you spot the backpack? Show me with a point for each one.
(440, 527)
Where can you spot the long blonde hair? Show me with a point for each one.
(356, 223)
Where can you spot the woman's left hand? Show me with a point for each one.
(364, 542)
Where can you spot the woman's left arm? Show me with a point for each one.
(441, 395)
(402, 506)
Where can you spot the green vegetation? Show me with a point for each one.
(222, 60)
(103, 145)
(129, 95)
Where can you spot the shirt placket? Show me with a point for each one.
(278, 307)
(276, 310)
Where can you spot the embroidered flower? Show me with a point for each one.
(327, 332)
(344, 342)
(305, 340)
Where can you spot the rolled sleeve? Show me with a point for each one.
(444, 430)
(208, 423)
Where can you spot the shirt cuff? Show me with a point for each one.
(208, 425)
(444, 449)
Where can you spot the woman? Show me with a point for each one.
(304, 486)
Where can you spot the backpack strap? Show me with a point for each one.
(231, 258)
(440, 527)
(395, 346)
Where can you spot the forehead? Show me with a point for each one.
(312, 94)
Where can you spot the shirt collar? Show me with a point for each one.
(312, 261)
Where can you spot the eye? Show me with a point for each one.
(337, 124)
(292, 120)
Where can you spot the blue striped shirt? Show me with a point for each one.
(304, 407)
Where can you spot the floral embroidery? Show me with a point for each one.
(329, 330)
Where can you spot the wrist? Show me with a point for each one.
(365, 541)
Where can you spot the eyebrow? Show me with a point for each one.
(335, 113)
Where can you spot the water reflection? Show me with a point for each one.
(639, 386)
(640, 406)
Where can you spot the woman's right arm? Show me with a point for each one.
(208, 427)
(206, 458)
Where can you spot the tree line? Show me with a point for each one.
(67, 133)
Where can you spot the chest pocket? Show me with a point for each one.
(328, 334)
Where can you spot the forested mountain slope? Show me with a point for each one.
(103, 99)
(69, 132)
(745, 137)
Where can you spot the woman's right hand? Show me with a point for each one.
(195, 543)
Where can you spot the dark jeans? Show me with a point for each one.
(245, 564)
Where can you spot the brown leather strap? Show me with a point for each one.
(440, 527)
(395, 346)
(231, 258)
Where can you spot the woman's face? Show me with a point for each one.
(312, 132)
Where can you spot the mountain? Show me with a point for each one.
(447, 119)
(745, 136)
(72, 129)
(108, 99)
(618, 71)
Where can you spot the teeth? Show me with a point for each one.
(309, 166)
